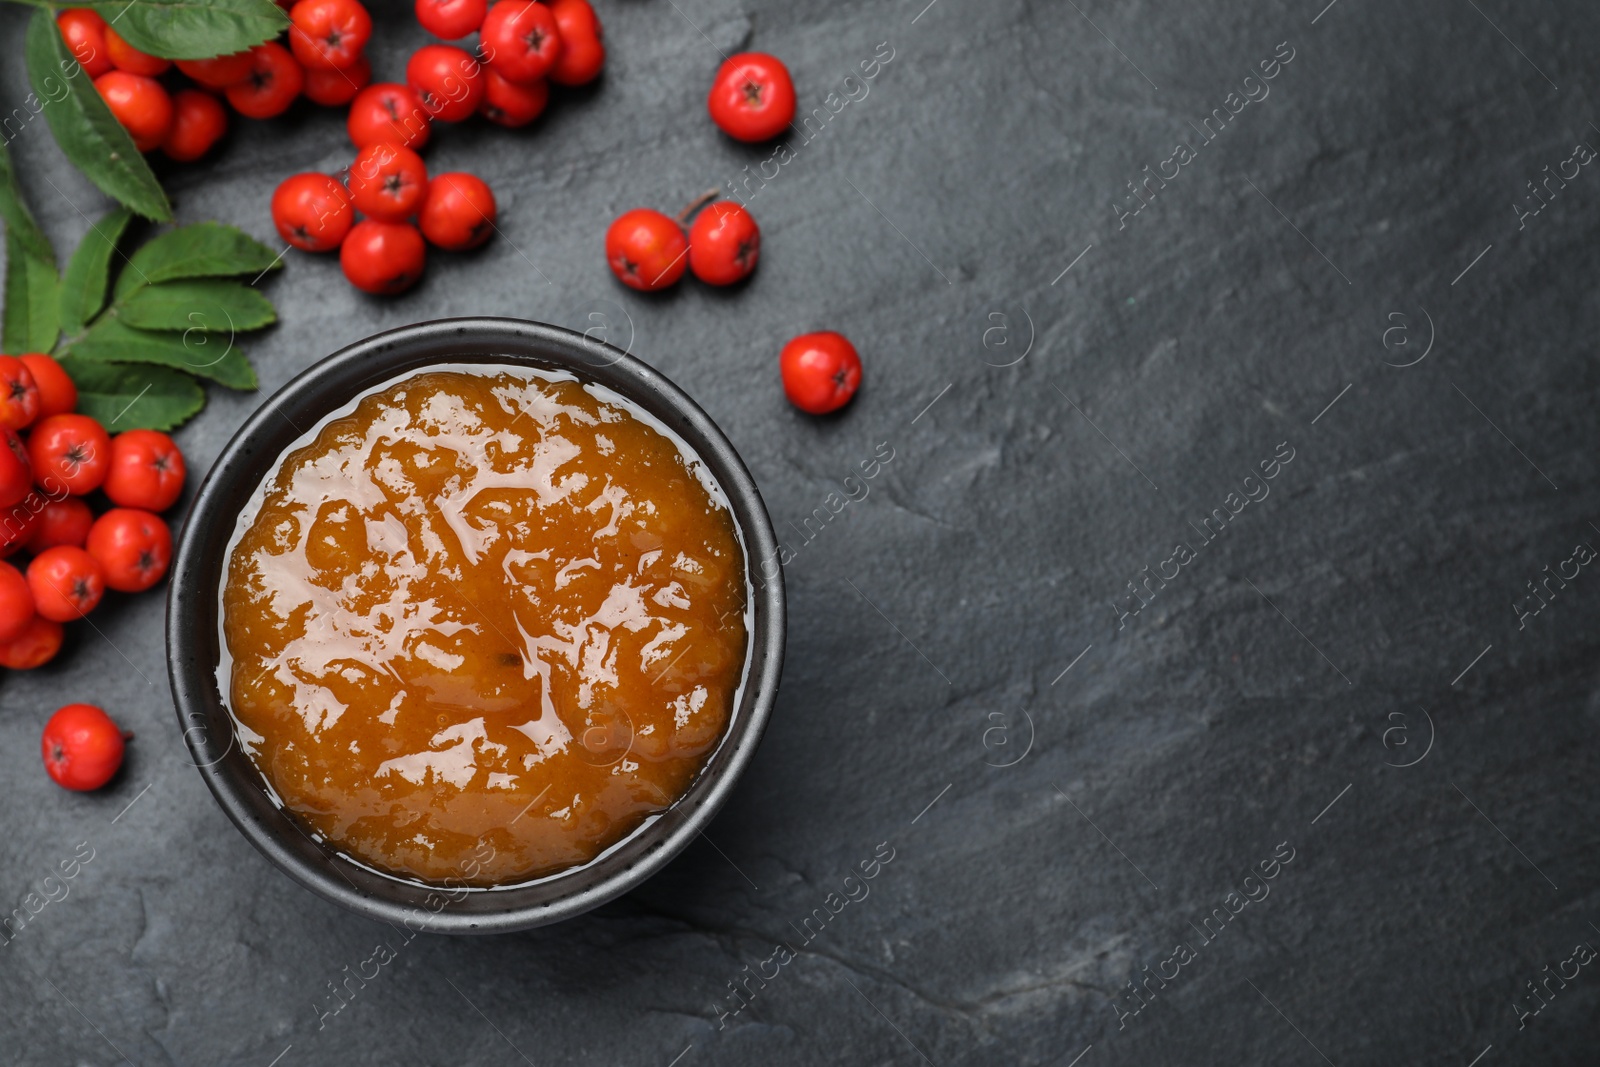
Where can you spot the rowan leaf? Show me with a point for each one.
(30, 317)
(209, 305)
(127, 396)
(19, 220)
(194, 351)
(83, 286)
(89, 135)
(203, 250)
(193, 29)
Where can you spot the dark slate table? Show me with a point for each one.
(1342, 680)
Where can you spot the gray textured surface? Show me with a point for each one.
(1221, 721)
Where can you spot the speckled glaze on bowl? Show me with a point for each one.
(194, 644)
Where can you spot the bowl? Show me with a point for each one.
(194, 643)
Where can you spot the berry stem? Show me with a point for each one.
(696, 204)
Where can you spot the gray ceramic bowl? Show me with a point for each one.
(193, 641)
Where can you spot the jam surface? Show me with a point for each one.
(483, 626)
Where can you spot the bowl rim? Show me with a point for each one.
(193, 646)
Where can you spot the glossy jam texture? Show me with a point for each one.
(483, 626)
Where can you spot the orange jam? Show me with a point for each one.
(484, 625)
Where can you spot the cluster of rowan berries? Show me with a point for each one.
(184, 116)
(52, 462)
(522, 47)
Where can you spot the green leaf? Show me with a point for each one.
(130, 397)
(193, 29)
(30, 320)
(194, 351)
(84, 127)
(83, 287)
(203, 250)
(207, 304)
(19, 220)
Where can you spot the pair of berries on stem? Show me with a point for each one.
(648, 250)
